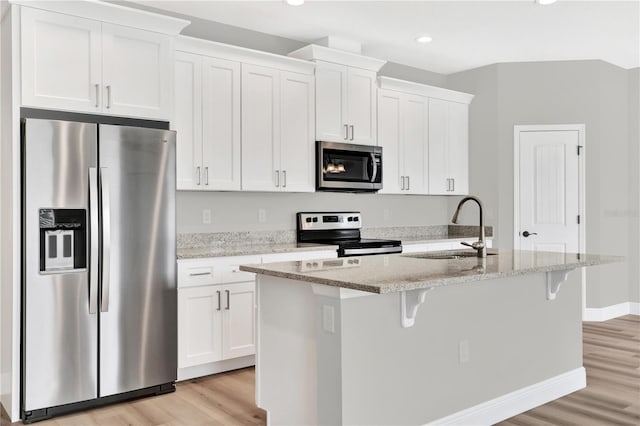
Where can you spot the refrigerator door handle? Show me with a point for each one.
(93, 243)
(106, 237)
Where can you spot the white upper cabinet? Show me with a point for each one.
(402, 133)
(260, 129)
(207, 119)
(361, 106)
(345, 104)
(345, 94)
(87, 65)
(297, 152)
(136, 72)
(61, 61)
(448, 147)
(221, 124)
(187, 120)
(425, 134)
(277, 130)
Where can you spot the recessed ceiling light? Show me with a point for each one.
(423, 39)
(295, 2)
(545, 2)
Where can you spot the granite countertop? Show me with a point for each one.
(240, 249)
(194, 246)
(398, 272)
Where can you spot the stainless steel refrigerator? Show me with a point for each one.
(99, 266)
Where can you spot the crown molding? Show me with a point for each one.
(315, 52)
(414, 88)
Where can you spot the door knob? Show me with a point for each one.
(527, 233)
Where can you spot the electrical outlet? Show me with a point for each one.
(328, 319)
(206, 216)
(262, 216)
(463, 352)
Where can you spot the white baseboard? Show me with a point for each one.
(215, 367)
(519, 401)
(610, 312)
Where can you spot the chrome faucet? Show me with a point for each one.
(480, 245)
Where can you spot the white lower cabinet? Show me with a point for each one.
(216, 322)
(217, 311)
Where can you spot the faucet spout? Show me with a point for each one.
(480, 245)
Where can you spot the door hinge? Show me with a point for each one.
(579, 149)
(578, 219)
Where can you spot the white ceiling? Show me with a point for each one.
(466, 34)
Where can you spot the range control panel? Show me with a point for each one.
(328, 221)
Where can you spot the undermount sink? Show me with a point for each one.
(449, 254)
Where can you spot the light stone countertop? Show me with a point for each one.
(248, 249)
(398, 272)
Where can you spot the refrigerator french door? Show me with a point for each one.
(99, 274)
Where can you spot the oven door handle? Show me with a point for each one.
(376, 250)
(374, 167)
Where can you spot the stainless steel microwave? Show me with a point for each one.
(348, 167)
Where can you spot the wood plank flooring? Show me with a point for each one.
(612, 396)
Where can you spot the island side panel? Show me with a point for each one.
(286, 361)
(516, 338)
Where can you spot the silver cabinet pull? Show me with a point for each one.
(408, 182)
(198, 175)
(402, 183)
(206, 175)
(108, 96)
(277, 178)
(346, 132)
(97, 95)
(453, 184)
(228, 300)
(219, 307)
(106, 237)
(94, 243)
(198, 274)
(352, 132)
(448, 185)
(284, 178)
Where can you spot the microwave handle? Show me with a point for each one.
(374, 166)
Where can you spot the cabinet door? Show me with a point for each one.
(61, 58)
(361, 106)
(136, 72)
(438, 151)
(238, 320)
(414, 141)
(260, 129)
(389, 138)
(297, 128)
(459, 147)
(187, 120)
(221, 124)
(331, 102)
(199, 325)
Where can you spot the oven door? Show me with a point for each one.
(348, 167)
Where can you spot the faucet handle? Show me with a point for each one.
(478, 245)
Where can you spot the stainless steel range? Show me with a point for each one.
(341, 229)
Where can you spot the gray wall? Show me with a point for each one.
(634, 196)
(238, 211)
(591, 92)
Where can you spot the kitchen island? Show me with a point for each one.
(413, 339)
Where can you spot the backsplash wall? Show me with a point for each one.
(238, 211)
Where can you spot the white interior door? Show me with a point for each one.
(549, 201)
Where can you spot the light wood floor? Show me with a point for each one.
(612, 396)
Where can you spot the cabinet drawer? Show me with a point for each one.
(219, 270)
(228, 268)
(196, 273)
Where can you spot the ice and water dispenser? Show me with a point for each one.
(63, 236)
